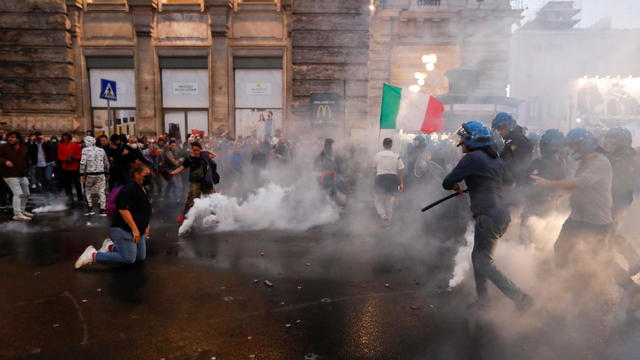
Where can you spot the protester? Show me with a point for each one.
(389, 180)
(170, 162)
(202, 175)
(14, 166)
(281, 150)
(485, 176)
(130, 226)
(327, 167)
(43, 158)
(94, 165)
(69, 153)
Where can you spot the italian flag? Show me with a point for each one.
(404, 109)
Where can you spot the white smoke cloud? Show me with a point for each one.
(269, 207)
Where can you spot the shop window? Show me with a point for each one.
(112, 5)
(238, 4)
(429, 2)
(122, 119)
(181, 5)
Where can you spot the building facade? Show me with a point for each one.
(570, 77)
(220, 65)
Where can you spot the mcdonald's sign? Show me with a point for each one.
(326, 109)
(324, 113)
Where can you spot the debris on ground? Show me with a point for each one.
(325, 300)
(387, 285)
(268, 283)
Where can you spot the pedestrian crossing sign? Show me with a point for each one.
(108, 90)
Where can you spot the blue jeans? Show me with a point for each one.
(44, 175)
(124, 250)
(171, 189)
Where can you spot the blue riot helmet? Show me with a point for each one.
(584, 141)
(551, 142)
(475, 135)
(534, 137)
(621, 136)
(503, 120)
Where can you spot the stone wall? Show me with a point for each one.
(37, 88)
(330, 54)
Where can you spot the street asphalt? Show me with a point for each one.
(326, 293)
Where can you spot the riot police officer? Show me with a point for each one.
(626, 170)
(518, 151)
(485, 176)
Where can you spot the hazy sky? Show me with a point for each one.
(624, 13)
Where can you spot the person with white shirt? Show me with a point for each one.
(389, 181)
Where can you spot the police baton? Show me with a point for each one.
(434, 204)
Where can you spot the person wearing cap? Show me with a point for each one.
(517, 153)
(485, 176)
(389, 180)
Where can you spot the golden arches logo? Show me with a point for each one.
(324, 112)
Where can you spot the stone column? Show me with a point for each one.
(379, 65)
(219, 114)
(149, 121)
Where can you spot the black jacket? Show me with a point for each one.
(517, 154)
(49, 152)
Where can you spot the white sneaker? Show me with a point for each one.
(106, 244)
(86, 258)
(89, 213)
(21, 217)
(27, 214)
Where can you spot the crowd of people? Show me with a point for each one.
(84, 169)
(505, 171)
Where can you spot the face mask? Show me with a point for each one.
(133, 146)
(54, 141)
(147, 180)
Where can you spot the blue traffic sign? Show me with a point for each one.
(108, 90)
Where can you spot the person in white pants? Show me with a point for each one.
(389, 181)
(14, 166)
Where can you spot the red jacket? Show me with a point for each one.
(72, 150)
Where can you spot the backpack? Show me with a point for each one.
(112, 207)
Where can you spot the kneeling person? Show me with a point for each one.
(130, 226)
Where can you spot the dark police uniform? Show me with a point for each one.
(485, 176)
